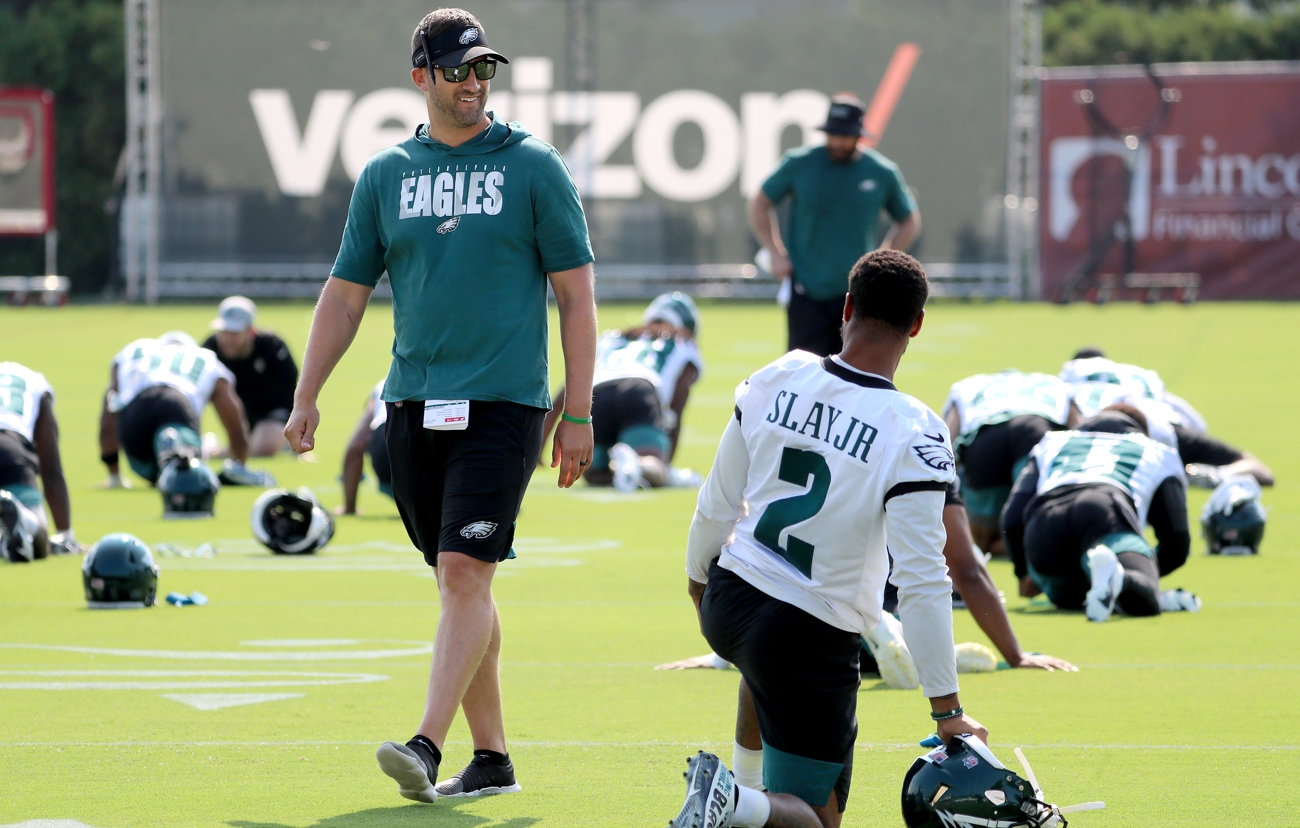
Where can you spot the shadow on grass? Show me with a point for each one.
(404, 815)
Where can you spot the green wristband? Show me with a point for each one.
(564, 415)
(951, 714)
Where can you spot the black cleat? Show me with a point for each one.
(412, 766)
(481, 778)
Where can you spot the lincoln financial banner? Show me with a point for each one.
(1214, 189)
(272, 109)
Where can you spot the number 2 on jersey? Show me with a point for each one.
(797, 465)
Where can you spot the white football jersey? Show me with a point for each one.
(1100, 369)
(661, 361)
(988, 399)
(825, 454)
(380, 415)
(193, 371)
(1133, 463)
(21, 390)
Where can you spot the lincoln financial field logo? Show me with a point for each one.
(1215, 195)
(737, 148)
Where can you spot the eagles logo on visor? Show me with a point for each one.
(453, 47)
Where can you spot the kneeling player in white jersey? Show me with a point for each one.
(643, 379)
(824, 463)
(996, 420)
(1074, 522)
(29, 447)
(1099, 383)
(369, 437)
(159, 383)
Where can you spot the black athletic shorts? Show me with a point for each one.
(803, 674)
(377, 448)
(813, 325)
(1063, 526)
(19, 464)
(619, 404)
(460, 491)
(152, 408)
(275, 415)
(990, 457)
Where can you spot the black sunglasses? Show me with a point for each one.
(483, 69)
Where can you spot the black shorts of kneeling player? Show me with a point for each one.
(803, 674)
(460, 491)
(139, 421)
(19, 464)
(1068, 522)
(990, 462)
(377, 448)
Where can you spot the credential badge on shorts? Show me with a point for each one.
(478, 530)
(449, 225)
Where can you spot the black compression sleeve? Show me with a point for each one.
(1168, 517)
(1013, 516)
(1202, 448)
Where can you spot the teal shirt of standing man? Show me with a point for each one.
(835, 212)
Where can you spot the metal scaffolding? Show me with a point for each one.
(1021, 199)
(141, 211)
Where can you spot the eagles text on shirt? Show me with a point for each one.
(452, 190)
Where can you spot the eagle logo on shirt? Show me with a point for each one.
(448, 225)
(936, 457)
(468, 36)
(479, 529)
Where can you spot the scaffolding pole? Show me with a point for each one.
(1021, 199)
(142, 208)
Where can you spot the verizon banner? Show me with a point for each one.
(1199, 166)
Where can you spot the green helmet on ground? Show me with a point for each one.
(119, 572)
(675, 308)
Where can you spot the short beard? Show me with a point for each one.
(841, 157)
(455, 113)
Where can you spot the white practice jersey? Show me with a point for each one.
(1133, 463)
(822, 467)
(1132, 378)
(191, 370)
(659, 360)
(988, 399)
(21, 390)
(380, 415)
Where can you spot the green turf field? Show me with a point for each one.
(1182, 720)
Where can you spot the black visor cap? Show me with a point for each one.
(456, 47)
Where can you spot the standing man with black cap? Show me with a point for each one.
(836, 193)
(471, 218)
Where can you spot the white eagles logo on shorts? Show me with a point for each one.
(936, 457)
(479, 529)
(449, 225)
(468, 36)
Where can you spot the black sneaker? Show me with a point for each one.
(413, 766)
(481, 778)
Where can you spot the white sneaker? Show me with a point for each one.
(627, 467)
(710, 794)
(893, 659)
(1179, 600)
(1107, 582)
(684, 478)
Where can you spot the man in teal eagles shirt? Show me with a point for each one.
(836, 194)
(470, 217)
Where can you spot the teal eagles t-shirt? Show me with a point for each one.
(834, 212)
(467, 235)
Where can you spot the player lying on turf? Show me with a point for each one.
(1074, 522)
(367, 438)
(1099, 383)
(997, 419)
(29, 446)
(155, 384)
(643, 380)
(823, 464)
(971, 581)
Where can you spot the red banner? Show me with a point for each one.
(1200, 168)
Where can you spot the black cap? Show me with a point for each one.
(845, 117)
(454, 47)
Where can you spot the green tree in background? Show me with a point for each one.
(77, 49)
(1091, 32)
